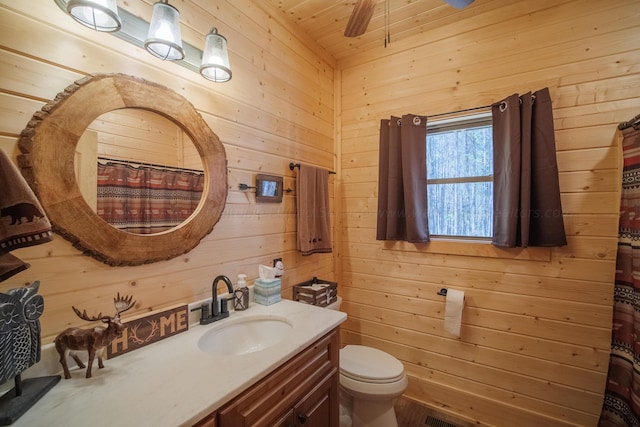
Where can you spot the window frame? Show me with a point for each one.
(452, 124)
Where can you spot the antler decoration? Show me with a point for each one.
(123, 304)
(85, 316)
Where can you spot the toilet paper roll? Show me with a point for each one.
(453, 311)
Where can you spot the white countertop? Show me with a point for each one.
(172, 382)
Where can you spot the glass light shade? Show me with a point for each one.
(100, 15)
(215, 58)
(164, 39)
(459, 4)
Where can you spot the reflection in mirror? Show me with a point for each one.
(148, 177)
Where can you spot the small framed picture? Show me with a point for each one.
(268, 188)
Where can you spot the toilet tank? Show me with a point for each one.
(336, 304)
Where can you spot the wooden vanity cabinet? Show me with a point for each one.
(314, 410)
(303, 392)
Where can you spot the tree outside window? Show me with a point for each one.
(460, 178)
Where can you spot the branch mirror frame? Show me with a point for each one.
(48, 146)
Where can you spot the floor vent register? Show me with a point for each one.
(436, 422)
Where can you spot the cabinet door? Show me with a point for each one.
(274, 396)
(209, 421)
(320, 408)
(286, 420)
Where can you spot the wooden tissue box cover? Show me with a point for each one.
(327, 294)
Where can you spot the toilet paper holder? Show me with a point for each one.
(443, 292)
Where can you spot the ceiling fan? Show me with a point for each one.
(363, 11)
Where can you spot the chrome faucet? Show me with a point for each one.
(216, 314)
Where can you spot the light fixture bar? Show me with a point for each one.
(134, 31)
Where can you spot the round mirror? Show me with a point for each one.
(48, 145)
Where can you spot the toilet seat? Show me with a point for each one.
(370, 365)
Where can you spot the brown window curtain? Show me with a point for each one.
(526, 192)
(402, 180)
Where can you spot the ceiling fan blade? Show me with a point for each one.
(459, 4)
(360, 17)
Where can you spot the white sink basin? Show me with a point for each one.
(245, 335)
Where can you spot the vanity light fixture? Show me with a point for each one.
(164, 39)
(215, 58)
(100, 15)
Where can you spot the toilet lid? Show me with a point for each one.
(369, 364)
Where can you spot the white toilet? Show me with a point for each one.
(370, 380)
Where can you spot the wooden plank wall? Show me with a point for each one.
(278, 108)
(536, 326)
(144, 136)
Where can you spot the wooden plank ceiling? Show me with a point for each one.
(325, 21)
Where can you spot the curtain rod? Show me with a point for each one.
(630, 123)
(503, 104)
(484, 107)
(292, 166)
(136, 163)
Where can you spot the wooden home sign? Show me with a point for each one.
(142, 331)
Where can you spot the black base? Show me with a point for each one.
(12, 407)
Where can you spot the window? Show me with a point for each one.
(460, 177)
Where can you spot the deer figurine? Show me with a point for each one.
(93, 340)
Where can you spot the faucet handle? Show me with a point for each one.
(204, 309)
(223, 304)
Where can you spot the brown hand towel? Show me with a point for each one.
(11, 265)
(314, 229)
(22, 220)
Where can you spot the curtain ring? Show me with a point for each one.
(417, 120)
(399, 122)
(503, 106)
(533, 99)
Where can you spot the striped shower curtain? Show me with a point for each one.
(146, 200)
(621, 406)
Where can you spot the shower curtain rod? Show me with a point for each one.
(155, 165)
(635, 122)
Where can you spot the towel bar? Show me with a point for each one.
(292, 166)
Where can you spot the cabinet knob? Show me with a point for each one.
(302, 418)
